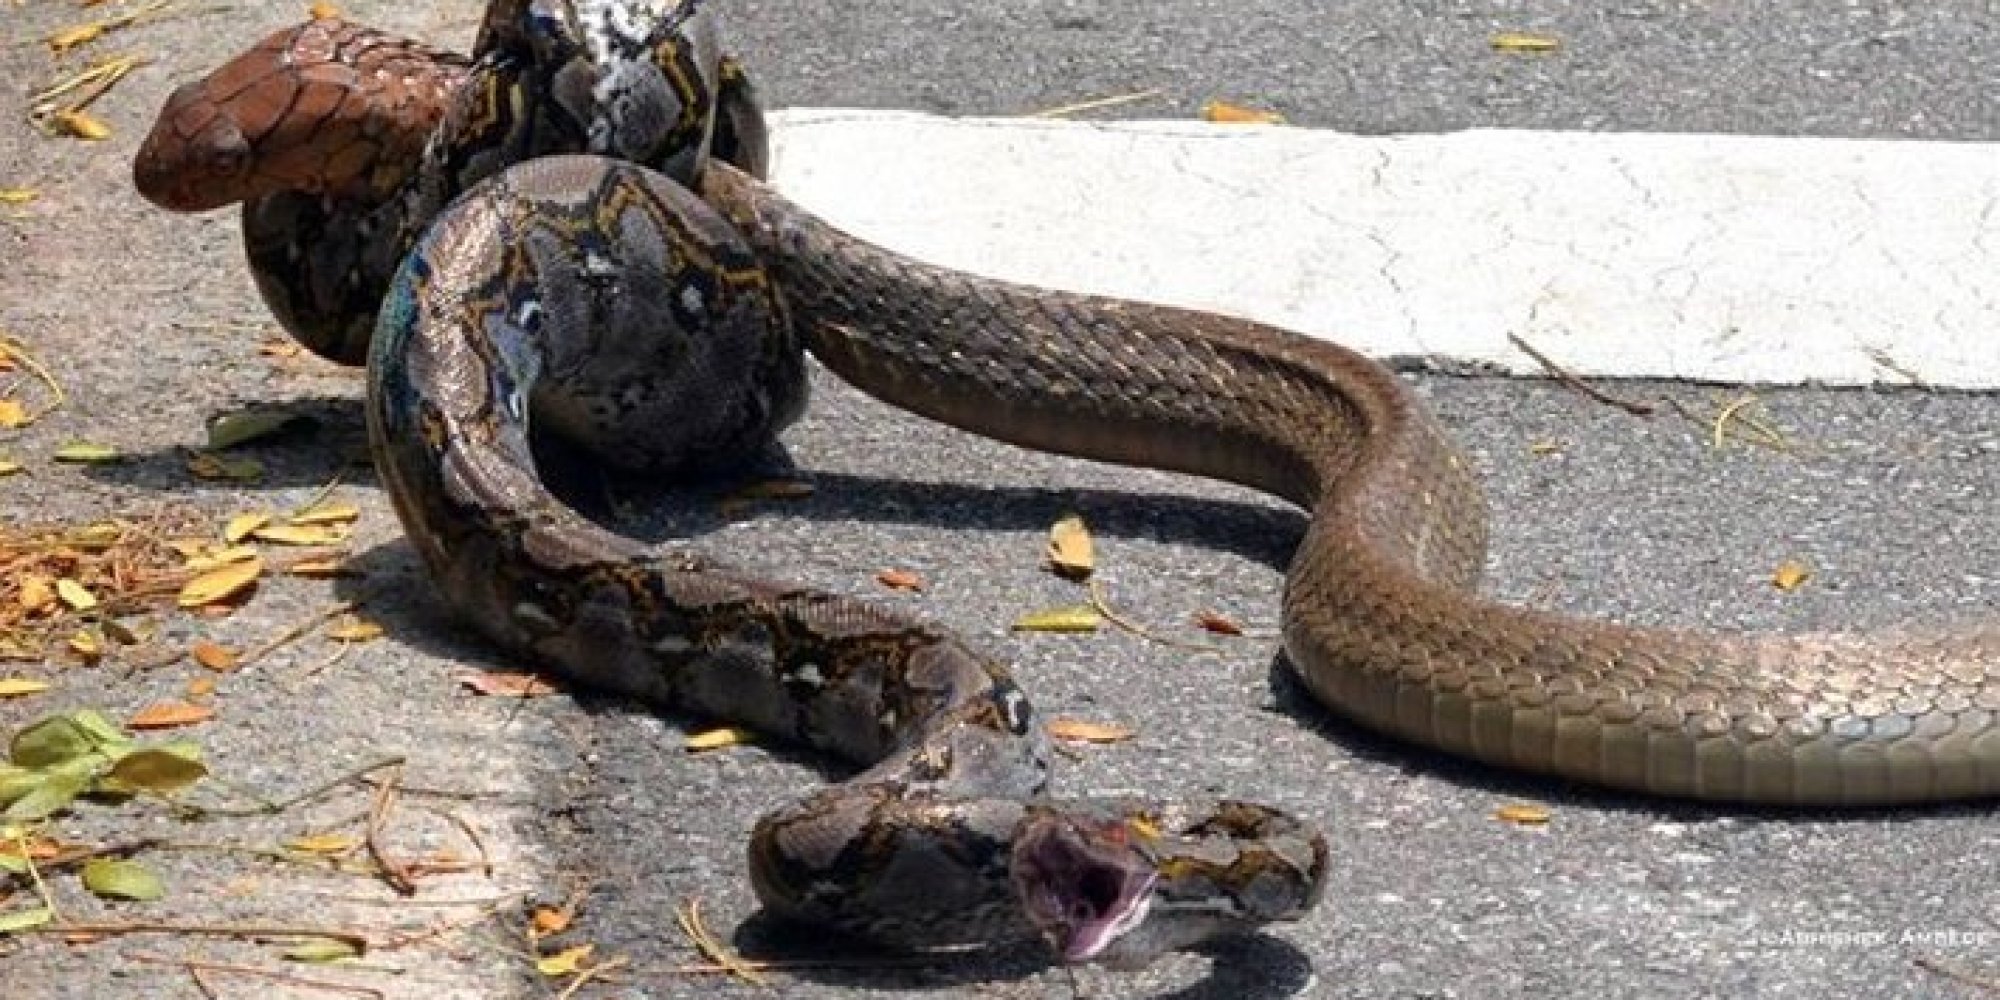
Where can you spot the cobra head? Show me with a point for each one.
(1121, 885)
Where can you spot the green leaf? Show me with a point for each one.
(86, 453)
(21, 920)
(101, 730)
(55, 792)
(322, 950)
(17, 781)
(159, 770)
(115, 879)
(13, 864)
(49, 742)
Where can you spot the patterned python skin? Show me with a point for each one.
(646, 331)
(498, 300)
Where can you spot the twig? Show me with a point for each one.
(471, 833)
(1097, 104)
(1103, 606)
(35, 876)
(789, 964)
(394, 872)
(293, 632)
(590, 972)
(267, 808)
(1569, 378)
(201, 983)
(195, 964)
(438, 930)
(712, 948)
(252, 932)
(16, 351)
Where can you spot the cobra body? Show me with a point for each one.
(1380, 615)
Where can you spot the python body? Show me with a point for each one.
(659, 328)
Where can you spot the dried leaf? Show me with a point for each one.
(323, 11)
(1069, 618)
(245, 426)
(218, 658)
(327, 513)
(1522, 41)
(1522, 814)
(213, 558)
(1225, 113)
(1218, 623)
(17, 687)
(75, 35)
(716, 739)
(1545, 448)
(300, 534)
(221, 583)
(38, 593)
(353, 629)
(501, 684)
(322, 567)
(1081, 731)
(155, 769)
(86, 645)
(76, 595)
(1071, 552)
(80, 125)
(13, 414)
(550, 920)
(323, 843)
(169, 715)
(200, 687)
(564, 962)
(8, 467)
(111, 878)
(18, 195)
(86, 453)
(900, 579)
(1790, 575)
(209, 466)
(318, 951)
(28, 919)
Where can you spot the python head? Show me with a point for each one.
(1122, 885)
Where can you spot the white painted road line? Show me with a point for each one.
(1729, 258)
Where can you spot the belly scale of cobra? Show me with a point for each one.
(1379, 615)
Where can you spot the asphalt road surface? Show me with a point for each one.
(1888, 496)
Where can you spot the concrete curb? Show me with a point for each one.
(1710, 257)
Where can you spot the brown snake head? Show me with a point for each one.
(325, 107)
(1123, 888)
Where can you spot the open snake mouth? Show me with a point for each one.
(1083, 886)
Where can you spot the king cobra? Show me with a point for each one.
(659, 325)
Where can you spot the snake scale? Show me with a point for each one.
(649, 303)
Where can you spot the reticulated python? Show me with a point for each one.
(658, 328)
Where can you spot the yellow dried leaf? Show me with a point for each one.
(200, 687)
(75, 35)
(102, 535)
(1069, 618)
(221, 583)
(1545, 448)
(321, 567)
(900, 579)
(322, 843)
(1071, 552)
(13, 414)
(38, 593)
(1522, 814)
(1789, 575)
(1225, 113)
(209, 558)
(352, 629)
(502, 684)
(326, 513)
(8, 467)
(169, 715)
(239, 527)
(86, 453)
(716, 739)
(300, 534)
(323, 11)
(214, 656)
(244, 426)
(76, 595)
(18, 195)
(1081, 731)
(1522, 41)
(16, 687)
(80, 125)
(564, 962)
(280, 347)
(86, 645)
